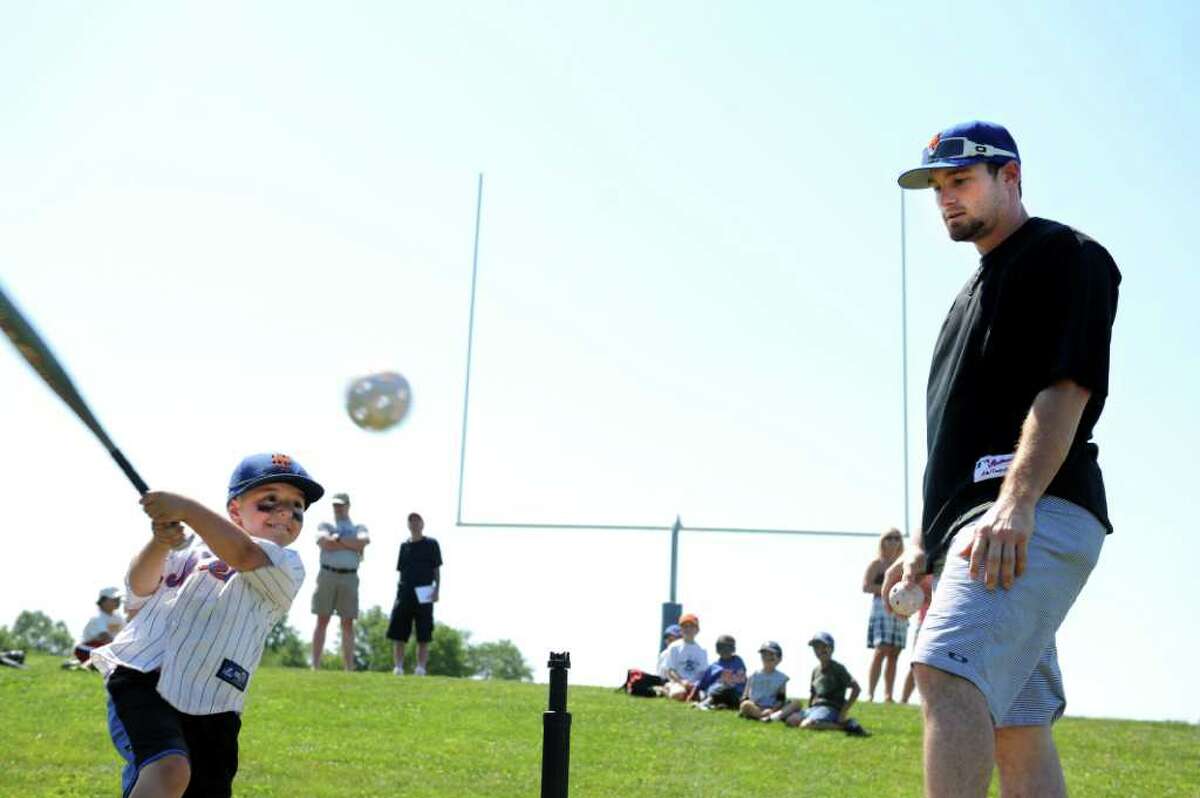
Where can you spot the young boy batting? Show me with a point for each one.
(177, 674)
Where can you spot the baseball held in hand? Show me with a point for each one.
(378, 401)
(905, 599)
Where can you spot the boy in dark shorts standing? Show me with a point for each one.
(420, 567)
(177, 673)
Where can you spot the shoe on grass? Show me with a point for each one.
(855, 729)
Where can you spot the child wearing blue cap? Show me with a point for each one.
(766, 689)
(828, 705)
(177, 674)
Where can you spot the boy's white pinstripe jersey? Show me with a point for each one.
(205, 625)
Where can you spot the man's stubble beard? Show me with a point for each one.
(966, 232)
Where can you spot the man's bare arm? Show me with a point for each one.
(1046, 438)
(1002, 534)
(355, 544)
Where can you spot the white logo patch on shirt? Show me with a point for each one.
(992, 466)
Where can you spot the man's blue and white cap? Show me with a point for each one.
(262, 469)
(962, 145)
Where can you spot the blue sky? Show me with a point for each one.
(688, 296)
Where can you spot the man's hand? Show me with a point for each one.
(328, 543)
(907, 569)
(1000, 542)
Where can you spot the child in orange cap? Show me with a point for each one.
(686, 660)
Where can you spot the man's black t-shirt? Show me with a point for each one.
(417, 562)
(1039, 310)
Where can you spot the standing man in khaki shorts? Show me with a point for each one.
(1015, 511)
(342, 544)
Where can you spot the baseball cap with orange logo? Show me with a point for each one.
(262, 469)
(962, 145)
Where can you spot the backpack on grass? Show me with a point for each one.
(640, 683)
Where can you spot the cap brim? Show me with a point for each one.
(310, 488)
(919, 177)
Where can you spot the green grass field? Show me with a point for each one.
(372, 734)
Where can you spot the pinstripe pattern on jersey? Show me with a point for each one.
(1002, 641)
(209, 615)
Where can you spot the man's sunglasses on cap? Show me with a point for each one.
(963, 147)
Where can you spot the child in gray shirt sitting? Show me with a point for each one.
(766, 689)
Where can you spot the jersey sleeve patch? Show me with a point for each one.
(232, 673)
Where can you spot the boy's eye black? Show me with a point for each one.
(269, 507)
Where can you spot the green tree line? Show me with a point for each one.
(34, 631)
(451, 652)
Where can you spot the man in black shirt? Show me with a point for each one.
(1014, 497)
(420, 567)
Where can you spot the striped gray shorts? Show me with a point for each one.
(1003, 641)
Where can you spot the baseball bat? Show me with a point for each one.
(34, 350)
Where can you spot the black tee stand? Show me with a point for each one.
(556, 730)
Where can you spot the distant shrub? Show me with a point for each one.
(284, 647)
(499, 660)
(34, 631)
(450, 652)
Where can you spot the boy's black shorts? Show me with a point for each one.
(407, 611)
(726, 695)
(148, 728)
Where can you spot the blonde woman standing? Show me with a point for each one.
(886, 632)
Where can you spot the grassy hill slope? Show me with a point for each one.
(310, 735)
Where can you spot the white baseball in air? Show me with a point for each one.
(905, 599)
(378, 401)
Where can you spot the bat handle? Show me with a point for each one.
(141, 485)
(137, 481)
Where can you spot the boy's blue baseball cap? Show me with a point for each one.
(674, 630)
(962, 145)
(822, 637)
(262, 469)
(773, 647)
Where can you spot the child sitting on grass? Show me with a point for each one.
(686, 660)
(828, 707)
(766, 690)
(670, 635)
(723, 682)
